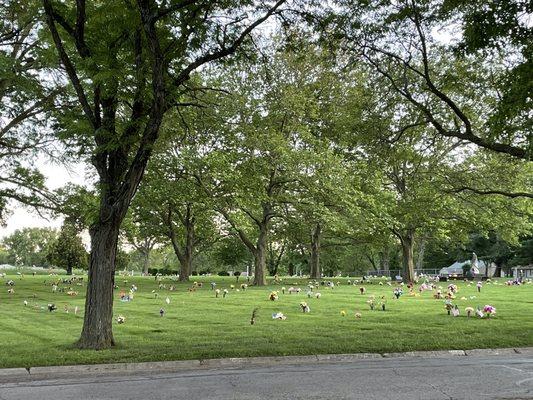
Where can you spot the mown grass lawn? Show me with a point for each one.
(198, 325)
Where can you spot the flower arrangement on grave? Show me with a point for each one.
(121, 319)
(52, 307)
(362, 290)
(225, 293)
(10, 291)
(479, 285)
(244, 286)
(455, 311)
(452, 288)
(479, 312)
(72, 293)
(448, 305)
(318, 295)
(489, 310)
(273, 296)
(283, 290)
(382, 303)
(309, 294)
(343, 313)
(304, 307)
(450, 295)
(232, 287)
(167, 300)
(398, 292)
(469, 311)
(357, 315)
(217, 292)
(371, 302)
(279, 315)
(161, 312)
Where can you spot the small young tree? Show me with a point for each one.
(67, 251)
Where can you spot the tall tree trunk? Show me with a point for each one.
(372, 261)
(407, 241)
(185, 254)
(97, 330)
(186, 261)
(69, 269)
(315, 272)
(260, 256)
(420, 256)
(384, 259)
(277, 262)
(291, 268)
(146, 261)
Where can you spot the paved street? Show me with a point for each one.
(494, 377)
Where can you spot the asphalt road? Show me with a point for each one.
(487, 377)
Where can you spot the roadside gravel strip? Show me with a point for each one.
(41, 373)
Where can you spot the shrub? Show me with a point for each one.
(223, 273)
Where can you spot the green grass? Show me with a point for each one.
(198, 325)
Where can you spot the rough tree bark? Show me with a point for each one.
(407, 242)
(420, 255)
(146, 262)
(97, 330)
(384, 259)
(315, 272)
(260, 256)
(291, 268)
(275, 260)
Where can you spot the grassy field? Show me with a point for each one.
(198, 325)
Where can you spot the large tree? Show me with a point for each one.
(128, 63)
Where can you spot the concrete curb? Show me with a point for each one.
(95, 369)
(525, 350)
(491, 352)
(40, 373)
(13, 373)
(427, 354)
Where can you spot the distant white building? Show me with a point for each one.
(523, 271)
(456, 269)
